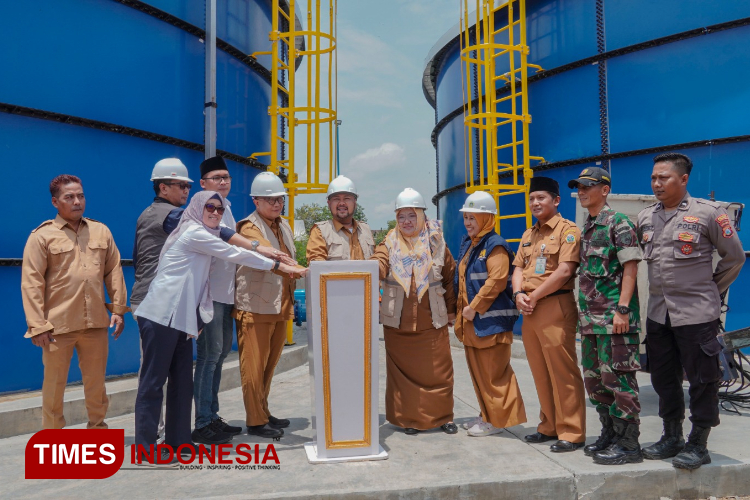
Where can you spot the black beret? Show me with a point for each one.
(544, 184)
(211, 164)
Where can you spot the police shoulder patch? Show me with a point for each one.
(727, 232)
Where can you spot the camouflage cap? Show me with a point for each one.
(591, 176)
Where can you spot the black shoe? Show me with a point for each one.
(210, 434)
(164, 458)
(625, 450)
(449, 428)
(265, 431)
(695, 452)
(562, 446)
(607, 437)
(278, 423)
(670, 444)
(411, 431)
(538, 437)
(223, 426)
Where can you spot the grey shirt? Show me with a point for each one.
(149, 240)
(678, 249)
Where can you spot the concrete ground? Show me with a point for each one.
(428, 465)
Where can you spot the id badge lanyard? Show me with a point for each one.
(541, 261)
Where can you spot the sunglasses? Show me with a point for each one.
(213, 208)
(182, 185)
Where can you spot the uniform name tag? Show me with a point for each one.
(541, 265)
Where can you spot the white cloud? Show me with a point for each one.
(385, 156)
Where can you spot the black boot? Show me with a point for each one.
(606, 438)
(695, 452)
(626, 450)
(670, 444)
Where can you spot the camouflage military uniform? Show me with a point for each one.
(610, 361)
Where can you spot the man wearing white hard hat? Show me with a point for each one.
(342, 238)
(416, 273)
(263, 303)
(485, 317)
(171, 187)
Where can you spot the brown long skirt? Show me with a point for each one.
(419, 382)
(495, 385)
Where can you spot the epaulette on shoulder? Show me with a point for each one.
(710, 203)
(93, 220)
(652, 205)
(45, 223)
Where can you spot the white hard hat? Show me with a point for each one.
(480, 202)
(267, 184)
(341, 184)
(410, 198)
(170, 168)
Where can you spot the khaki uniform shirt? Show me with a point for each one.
(62, 276)
(678, 248)
(416, 316)
(561, 240)
(251, 232)
(317, 249)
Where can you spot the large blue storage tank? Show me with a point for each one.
(622, 82)
(103, 90)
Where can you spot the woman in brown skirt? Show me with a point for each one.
(416, 270)
(486, 319)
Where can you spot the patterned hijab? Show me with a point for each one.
(193, 214)
(411, 255)
(486, 223)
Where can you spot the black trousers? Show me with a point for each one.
(167, 354)
(695, 349)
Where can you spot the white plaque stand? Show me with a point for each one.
(342, 326)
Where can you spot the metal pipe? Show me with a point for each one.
(209, 109)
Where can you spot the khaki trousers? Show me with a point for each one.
(549, 337)
(259, 346)
(92, 348)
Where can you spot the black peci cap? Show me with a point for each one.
(591, 176)
(544, 184)
(211, 164)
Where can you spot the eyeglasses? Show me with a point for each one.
(274, 201)
(181, 185)
(218, 178)
(213, 208)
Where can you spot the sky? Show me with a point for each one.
(386, 120)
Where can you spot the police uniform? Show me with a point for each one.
(684, 302)
(549, 333)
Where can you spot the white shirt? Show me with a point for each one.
(175, 293)
(222, 272)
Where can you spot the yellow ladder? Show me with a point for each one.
(481, 47)
(317, 114)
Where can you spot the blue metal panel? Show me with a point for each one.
(449, 83)
(104, 61)
(635, 21)
(560, 31)
(681, 92)
(451, 153)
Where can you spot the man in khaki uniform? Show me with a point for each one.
(342, 238)
(65, 263)
(543, 282)
(678, 236)
(263, 304)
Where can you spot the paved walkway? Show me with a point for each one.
(429, 465)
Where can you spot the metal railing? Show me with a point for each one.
(499, 169)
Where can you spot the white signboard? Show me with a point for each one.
(342, 326)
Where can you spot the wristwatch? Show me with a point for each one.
(254, 244)
(622, 309)
(276, 264)
(515, 294)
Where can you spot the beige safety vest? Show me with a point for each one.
(393, 293)
(338, 243)
(259, 291)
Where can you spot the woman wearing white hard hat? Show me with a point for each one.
(417, 269)
(486, 314)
